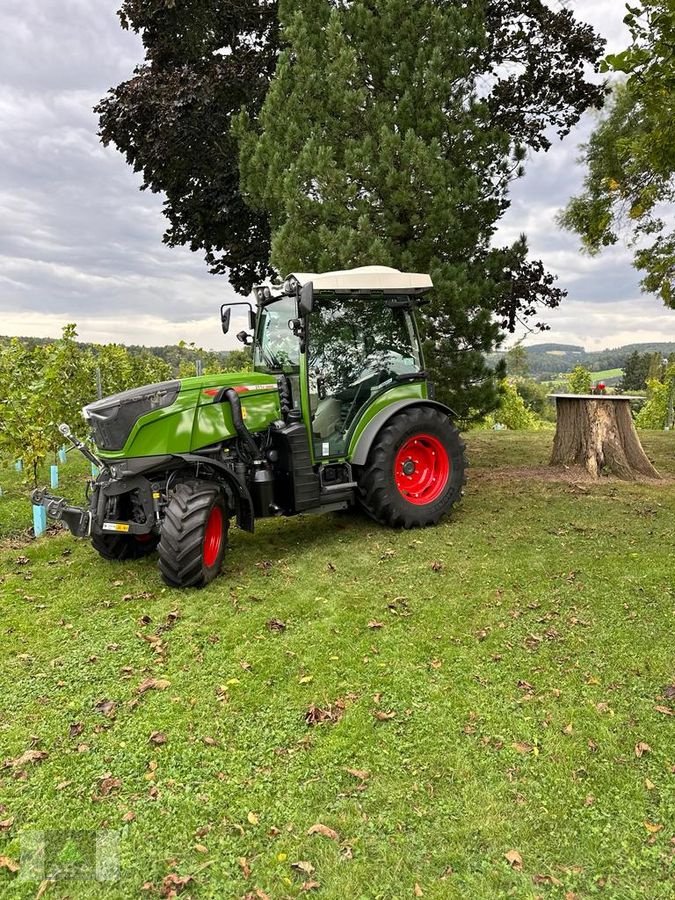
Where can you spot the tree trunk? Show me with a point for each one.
(599, 434)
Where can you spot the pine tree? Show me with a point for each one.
(390, 134)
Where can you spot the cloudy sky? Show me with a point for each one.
(79, 242)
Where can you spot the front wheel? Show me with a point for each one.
(415, 470)
(194, 535)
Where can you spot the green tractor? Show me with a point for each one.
(337, 412)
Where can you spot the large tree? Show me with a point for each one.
(630, 158)
(390, 134)
(204, 61)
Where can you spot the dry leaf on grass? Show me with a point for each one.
(383, 716)
(641, 748)
(547, 879)
(153, 684)
(653, 827)
(7, 863)
(522, 747)
(514, 859)
(665, 710)
(108, 784)
(30, 756)
(173, 884)
(6, 824)
(252, 818)
(303, 866)
(417, 890)
(358, 773)
(275, 625)
(324, 830)
(244, 866)
(374, 624)
(158, 738)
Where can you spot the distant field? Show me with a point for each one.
(608, 374)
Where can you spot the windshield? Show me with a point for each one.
(277, 349)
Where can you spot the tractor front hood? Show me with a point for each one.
(179, 416)
(112, 418)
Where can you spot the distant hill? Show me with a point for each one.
(546, 361)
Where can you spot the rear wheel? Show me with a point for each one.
(194, 535)
(119, 547)
(415, 470)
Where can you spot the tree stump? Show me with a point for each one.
(597, 432)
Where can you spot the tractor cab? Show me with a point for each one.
(337, 343)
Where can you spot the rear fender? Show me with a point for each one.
(360, 455)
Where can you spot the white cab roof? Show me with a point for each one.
(366, 278)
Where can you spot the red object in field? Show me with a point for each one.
(422, 469)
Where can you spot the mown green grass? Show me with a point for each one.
(536, 607)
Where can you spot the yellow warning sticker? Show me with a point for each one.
(115, 526)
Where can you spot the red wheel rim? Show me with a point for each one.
(213, 536)
(422, 469)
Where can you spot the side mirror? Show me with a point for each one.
(244, 338)
(225, 316)
(306, 299)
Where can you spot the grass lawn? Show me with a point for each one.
(472, 711)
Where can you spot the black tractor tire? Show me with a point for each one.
(415, 470)
(194, 535)
(121, 547)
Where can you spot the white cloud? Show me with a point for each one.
(79, 242)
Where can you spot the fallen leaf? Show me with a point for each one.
(210, 742)
(303, 866)
(522, 747)
(590, 800)
(568, 729)
(173, 884)
(641, 748)
(374, 624)
(383, 716)
(201, 848)
(324, 830)
(129, 816)
(514, 859)
(665, 710)
(252, 818)
(30, 756)
(436, 566)
(76, 729)
(359, 773)
(276, 625)
(306, 679)
(669, 691)
(44, 885)
(62, 785)
(158, 738)
(417, 890)
(6, 824)
(9, 864)
(547, 879)
(109, 784)
(153, 684)
(310, 886)
(649, 784)
(107, 708)
(436, 663)
(244, 866)
(652, 827)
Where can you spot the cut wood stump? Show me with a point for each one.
(596, 431)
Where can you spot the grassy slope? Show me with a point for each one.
(567, 590)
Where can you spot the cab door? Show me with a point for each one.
(358, 346)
